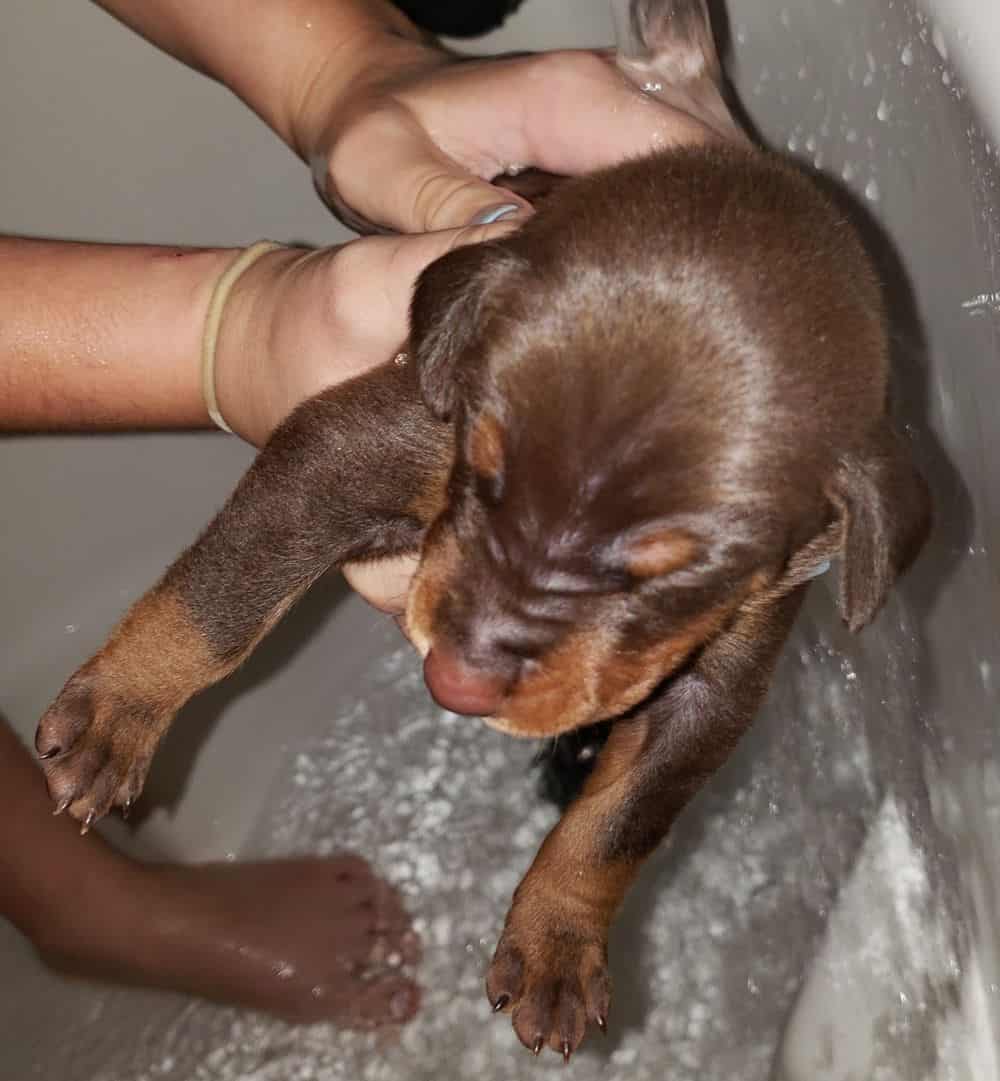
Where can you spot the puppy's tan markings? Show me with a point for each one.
(659, 552)
(98, 737)
(550, 967)
(561, 692)
(631, 676)
(440, 556)
(485, 452)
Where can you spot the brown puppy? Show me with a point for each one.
(626, 438)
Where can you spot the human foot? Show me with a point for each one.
(305, 940)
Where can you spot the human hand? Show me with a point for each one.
(298, 321)
(412, 139)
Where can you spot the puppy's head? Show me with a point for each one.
(662, 389)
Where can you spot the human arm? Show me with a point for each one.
(402, 133)
(101, 336)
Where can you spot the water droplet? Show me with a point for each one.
(872, 193)
(906, 56)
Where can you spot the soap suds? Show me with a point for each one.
(708, 954)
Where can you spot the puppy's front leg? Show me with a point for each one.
(550, 968)
(353, 473)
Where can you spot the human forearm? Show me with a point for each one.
(42, 859)
(276, 55)
(102, 336)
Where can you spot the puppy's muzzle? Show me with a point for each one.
(463, 688)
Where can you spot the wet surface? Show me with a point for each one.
(706, 957)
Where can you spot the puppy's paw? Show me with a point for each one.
(96, 742)
(550, 973)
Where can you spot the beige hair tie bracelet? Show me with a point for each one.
(216, 306)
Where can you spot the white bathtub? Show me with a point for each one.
(828, 909)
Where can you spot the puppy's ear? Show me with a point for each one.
(667, 48)
(450, 309)
(673, 37)
(885, 510)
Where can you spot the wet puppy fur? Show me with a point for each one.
(626, 438)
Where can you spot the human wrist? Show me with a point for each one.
(247, 351)
(376, 55)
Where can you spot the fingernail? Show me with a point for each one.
(496, 213)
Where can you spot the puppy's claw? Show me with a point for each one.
(536, 1048)
(62, 805)
(87, 823)
(127, 808)
(50, 753)
(602, 1024)
(567, 1052)
(500, 1003)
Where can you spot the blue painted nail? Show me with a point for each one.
(495, 213)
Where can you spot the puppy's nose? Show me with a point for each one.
(461, 688)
